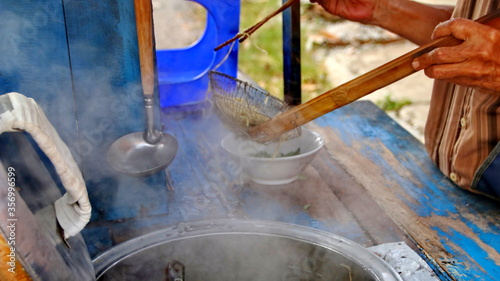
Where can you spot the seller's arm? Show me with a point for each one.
(411, 20)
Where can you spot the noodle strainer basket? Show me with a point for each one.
(241, 106)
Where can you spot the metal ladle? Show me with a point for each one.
(144, 153)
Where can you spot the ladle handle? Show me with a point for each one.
(144, 25)
(357, 88)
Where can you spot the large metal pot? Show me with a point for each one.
(240, 250)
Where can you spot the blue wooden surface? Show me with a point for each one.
(372, 179)
(458, 230)
(205, 183)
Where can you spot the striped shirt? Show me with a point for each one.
(462, 126)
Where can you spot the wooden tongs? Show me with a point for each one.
(245, 34)
(357, 88)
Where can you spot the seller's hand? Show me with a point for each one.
(474, 63)
(355, 10)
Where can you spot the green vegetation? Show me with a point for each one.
(260, 56)
(389, 104)
(264, 154)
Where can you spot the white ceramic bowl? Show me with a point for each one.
(269, 170)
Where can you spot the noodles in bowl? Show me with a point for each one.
(274, 163)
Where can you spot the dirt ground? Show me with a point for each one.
(179, 23)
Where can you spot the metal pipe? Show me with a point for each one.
(291, 55)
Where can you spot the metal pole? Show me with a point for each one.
(291, 54)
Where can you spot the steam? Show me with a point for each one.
(107, 107)
(239, 256)
(78, 94)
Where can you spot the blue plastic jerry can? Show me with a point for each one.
(183, 73)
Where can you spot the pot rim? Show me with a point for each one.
(184, 230)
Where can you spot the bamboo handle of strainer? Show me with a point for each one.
(144, 26)
(245, 34)
(355, 89)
